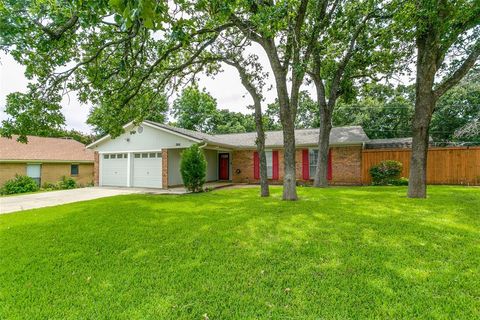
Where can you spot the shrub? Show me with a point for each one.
(49, 186)
(386, 172)
(19, 184)
(193, 168)
(399, 182)
(67, 183)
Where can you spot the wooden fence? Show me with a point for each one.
(454, 165)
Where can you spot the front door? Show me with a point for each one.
(223, 160)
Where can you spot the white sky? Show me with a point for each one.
(226, 88)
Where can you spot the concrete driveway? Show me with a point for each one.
(53, 198)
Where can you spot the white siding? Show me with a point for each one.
(149, 140)
(174, 176)
(212, 164)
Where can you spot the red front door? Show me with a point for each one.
(223, 160)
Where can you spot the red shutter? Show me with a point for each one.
(329, 172)
(305, 165)
(256, 165)
(275, 165)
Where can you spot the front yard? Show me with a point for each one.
(338, 253)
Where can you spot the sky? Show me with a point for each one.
(226, 88)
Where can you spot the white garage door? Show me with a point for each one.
(147, 170)
(113, 169)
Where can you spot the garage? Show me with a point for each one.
(147, 170)
(114, 169)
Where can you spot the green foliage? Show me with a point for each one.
(19, 184)
(307, 114)
(387, 172)
(457, 109)
(193, 168)
(67, 183)
(382, 111)
(195, 109)
(30, 114)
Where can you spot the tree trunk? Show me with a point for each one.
(287, 118)
(264, 189)
(424, 106)
(321, 174)
(260, 142)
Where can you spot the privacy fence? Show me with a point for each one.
(453, 165)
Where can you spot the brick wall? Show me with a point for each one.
(50, 172)
(8, 171)
(165, 169)
(96, 169)
(346, 166)
(53, 172)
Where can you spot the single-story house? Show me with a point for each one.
(148, 155)
(46, 160)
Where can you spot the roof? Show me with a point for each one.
(273, 139)
(391, 143)
(303, 137)
(45, 149)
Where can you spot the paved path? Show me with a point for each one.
(53, 198)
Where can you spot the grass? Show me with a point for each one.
(338, 253)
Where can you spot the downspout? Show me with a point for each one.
(203, 146)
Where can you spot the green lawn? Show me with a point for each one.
(338, 253)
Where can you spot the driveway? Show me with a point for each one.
(53, 198)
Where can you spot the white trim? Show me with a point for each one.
(129, 169)
(173, 132)
(132, 151)
(95, 143)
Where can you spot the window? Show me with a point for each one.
(159, 154)
(152, 155)
(106, 156)
(137, 155)
(113, 156)
(313, 160)
(74, 170)
(269, 156)
(144, 155)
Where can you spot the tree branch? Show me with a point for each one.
(459, 73)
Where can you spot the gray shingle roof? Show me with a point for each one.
(303, 137)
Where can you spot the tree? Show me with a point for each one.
(280, 29)
(225, 121)
(353, 43)
(446, 35)
(457, 112)
(106, 119)
(195, 109)
(120, 56)
(307, 113)
(383, 111)
(193, 168)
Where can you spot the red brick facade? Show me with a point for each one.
(346, 166)
(164, 169)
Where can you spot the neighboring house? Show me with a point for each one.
(148, 155)
(46, 160)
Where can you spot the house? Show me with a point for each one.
(148, 155)
(46, 160)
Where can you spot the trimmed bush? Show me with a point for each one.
(19, 184)
(387, 173)
(193, 168)
(67, 183)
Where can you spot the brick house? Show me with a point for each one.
(46, 160)
(148, 155)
